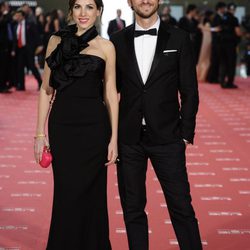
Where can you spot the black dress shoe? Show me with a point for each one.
(232, 86)
(229, 86)
(213, 81)
(20, 89)
(5, 91)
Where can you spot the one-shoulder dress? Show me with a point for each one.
(79, 133)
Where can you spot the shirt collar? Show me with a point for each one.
(22, 22)
(156, 25)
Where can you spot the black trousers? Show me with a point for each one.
(213, 72)
(3, 69)
(26, 57)
(169, 164)
(248, 67)
(228, 64)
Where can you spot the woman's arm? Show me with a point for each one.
(45, 96)
(111, 99)
(56, 25)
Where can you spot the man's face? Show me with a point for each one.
(232, 10)
(18, 17)
(194, 13)
(166, 11)
(119, 13)
(25, 9)
(223, 10)
(144, 8)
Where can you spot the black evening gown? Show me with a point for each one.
(79, 133)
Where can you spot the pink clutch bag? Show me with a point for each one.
(46, 157)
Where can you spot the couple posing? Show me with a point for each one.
(150, 64)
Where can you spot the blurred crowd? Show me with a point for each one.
(24, 34)
(219, 41)
(216, 37)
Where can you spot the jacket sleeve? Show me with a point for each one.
(188, 89)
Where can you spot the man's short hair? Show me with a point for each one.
(190, 8)
(220, 5)
(231, 6)
(20, 11)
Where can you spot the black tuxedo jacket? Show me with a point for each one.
(113, 27)
(5, 23)
(172, 75)
(33, 39)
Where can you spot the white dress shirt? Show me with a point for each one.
(145, 46)
(145, 50)
(119, 23)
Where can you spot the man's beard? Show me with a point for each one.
(145, 15)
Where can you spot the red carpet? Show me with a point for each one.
(218, 167)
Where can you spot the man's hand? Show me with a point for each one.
(186, 142)
(38, 50)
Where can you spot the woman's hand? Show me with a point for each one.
(39, 144)
(112, 153)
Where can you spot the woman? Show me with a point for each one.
(80, 73)
(205, 53)
(51, 26)
(52, 22)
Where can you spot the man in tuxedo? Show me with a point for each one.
(6, 43)
(154, 65)
(167, 17)
(27, 45)
(116, 24)
(230, 37)
(217, 44)
(190, 23)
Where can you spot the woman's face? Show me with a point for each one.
(84, 13)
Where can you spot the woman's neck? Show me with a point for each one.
(81, 31)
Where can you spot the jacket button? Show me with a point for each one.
(144, 91)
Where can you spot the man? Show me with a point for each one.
(116, 24)
(154, 64)
(247, 58)
(166, 16)
(28, 44)
(190, 24)
(29, 14)
(6, 42)
(246, 27)
(218, 20)
(230, 37)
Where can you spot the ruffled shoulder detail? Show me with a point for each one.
(67, 31)
(66, 62)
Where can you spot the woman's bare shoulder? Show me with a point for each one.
(106, 45)
(53, 42)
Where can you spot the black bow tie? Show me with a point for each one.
(152, 32)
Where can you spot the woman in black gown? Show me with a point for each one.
(82, 128)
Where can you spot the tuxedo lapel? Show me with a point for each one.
(162, 39)
(131, 52)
